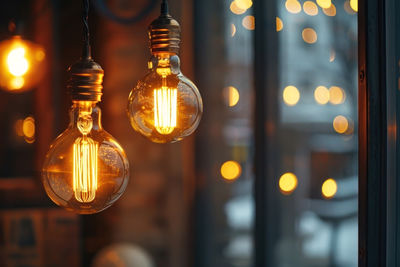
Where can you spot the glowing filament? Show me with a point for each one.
(16, 61)
(85, 169)
(165, 109)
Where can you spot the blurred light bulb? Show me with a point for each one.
(85, 170)
(21, 64)
(165, 106)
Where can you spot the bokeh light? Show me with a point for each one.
(310, 8)
(231, 96)
(324, 3)
(235, 9)
(354, 5)
(231, 170)
(244, 4)
(332, 56)
(348, 8)
(291, 95)
(279, 24)
(28, 127)
(330, 11)
(288, 183)
(22, 64)
(340, 124)
(249, 22)
(17, 62)
(336, 95)
(233, 29)
(293, 6)
(309, 35)
(18, 127)
(321, 95)
(329, 188)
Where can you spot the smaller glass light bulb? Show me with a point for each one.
(21, 64)
(165, 106)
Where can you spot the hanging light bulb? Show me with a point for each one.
(85, 170)
(165, 106)
(21, 64)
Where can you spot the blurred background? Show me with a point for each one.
(191, 203)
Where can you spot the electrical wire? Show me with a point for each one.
(86, 34)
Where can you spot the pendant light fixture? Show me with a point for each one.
(85, 170)
(165, 106)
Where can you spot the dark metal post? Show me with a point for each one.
(372, 134)
(265, 127)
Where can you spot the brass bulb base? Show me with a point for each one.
(164, 35)
(85, 83)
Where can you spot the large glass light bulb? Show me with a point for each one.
(165, 106)
(85, 170)
(21, 64)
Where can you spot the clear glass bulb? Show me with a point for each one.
(22, 64)
(85, 170)
(165, 106)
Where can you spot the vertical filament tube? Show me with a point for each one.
(85, 169)
(165, 108)
(85, 159)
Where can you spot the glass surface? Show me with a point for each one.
(165, 106)
(85, 170)
(317, 131)
(316, 203)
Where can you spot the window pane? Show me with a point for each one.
(317, 133)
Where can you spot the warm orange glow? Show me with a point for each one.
(235, 9)
(279, 24)
(249, 22)
(309, 35)
(21, 64)
(324, 3)
(28, 127)
(85, 169)
(165, 109)
(233, 29)
(332, 56)
(17, 62)
(330, 11)
(18, 127)
(329, 188)
(348, 8)
(291, 95)
(244, 4)
(293, 6)
(231, 170)
(354, 5)
(231, 95)
(321, 95)
(310, 8)
(336, 95)
(288, 183)
(17, 83)
(340, 124)
(85, 151)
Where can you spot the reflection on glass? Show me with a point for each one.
(288, 183)
(293, 6)
(310, 8)
(329, 188)
(317, 137)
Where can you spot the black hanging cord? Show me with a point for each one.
(86, 35)
(164, 7)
